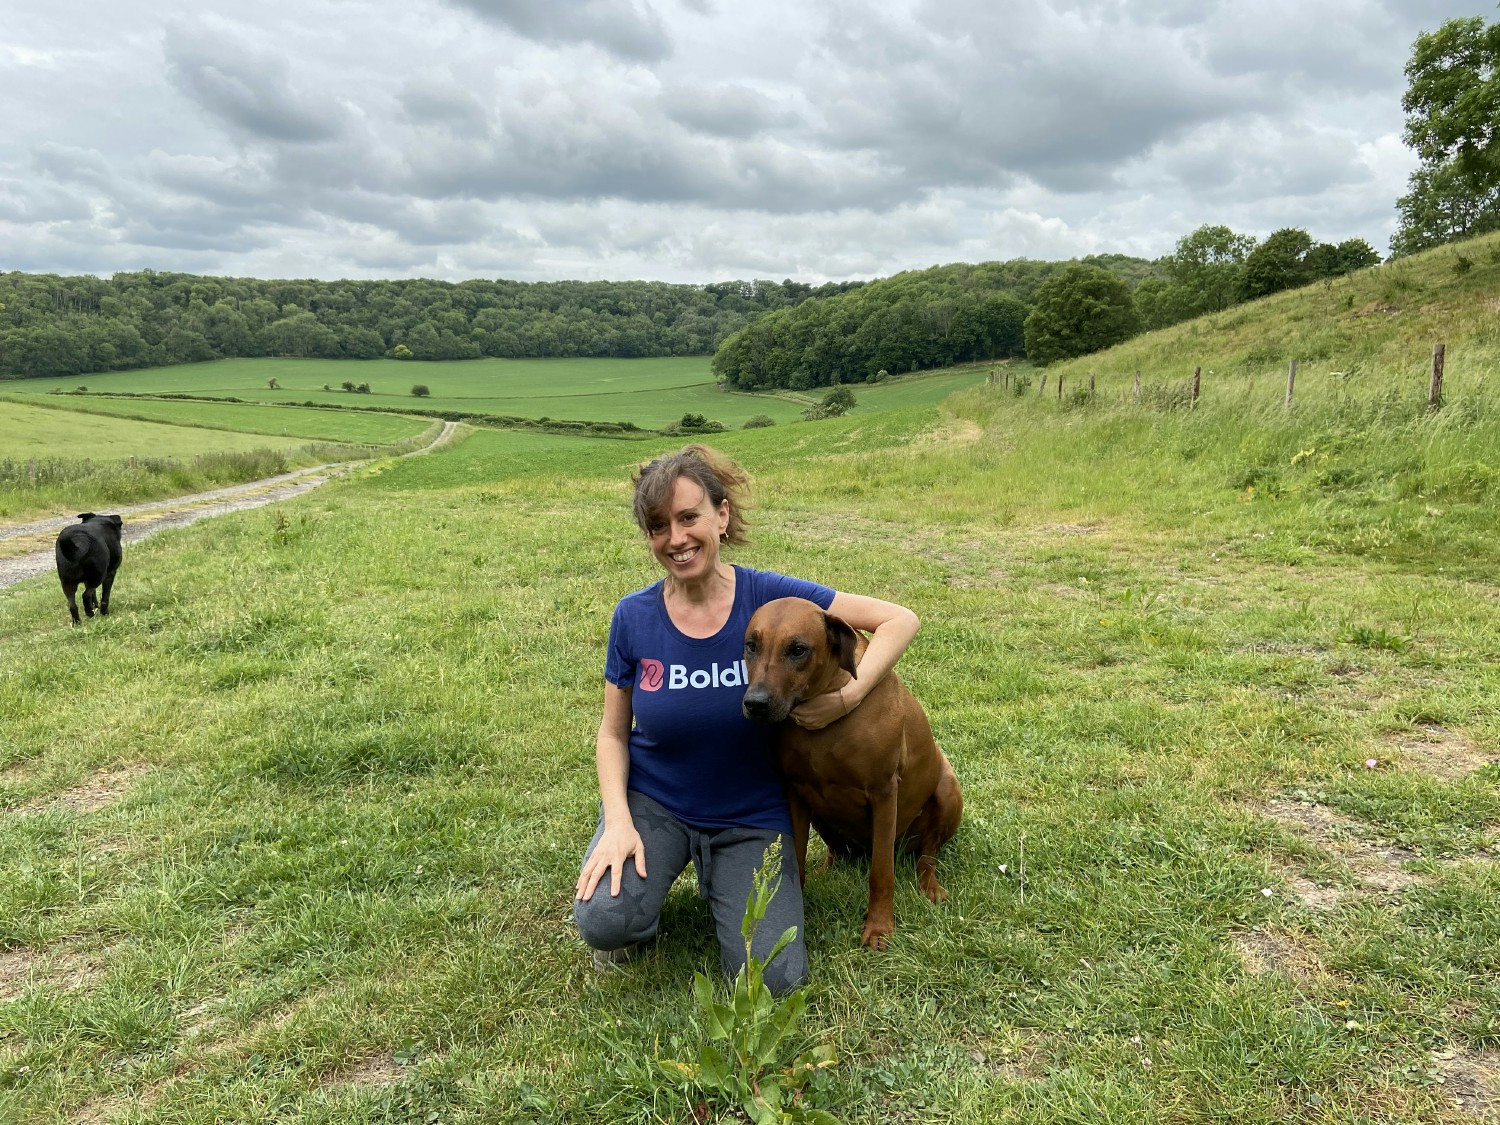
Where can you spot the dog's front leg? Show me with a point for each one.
(799, 834)
(880, 916)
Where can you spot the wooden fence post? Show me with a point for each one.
(1435, 389)
(1059, 387)
(31, 472)
(1137, 386)
(1091, 386)
(1291, 379)
(1197, 372)
(1040, 390)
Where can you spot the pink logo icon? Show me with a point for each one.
(651, 674)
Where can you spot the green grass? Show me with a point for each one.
(650, 393)
(352, 757)
(1368, 333)
(275, 421)
(32, 431)
(58, 460)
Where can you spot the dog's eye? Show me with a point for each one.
(797, 650)
(752, 645)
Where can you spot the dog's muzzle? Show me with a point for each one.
(760, 706)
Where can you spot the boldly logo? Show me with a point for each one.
(714, 676)
(651, 674)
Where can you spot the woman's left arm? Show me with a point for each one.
(891, 628)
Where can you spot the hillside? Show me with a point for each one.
(1369, 327)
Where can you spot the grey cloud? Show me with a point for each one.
(71, 165)
(444, 105)
(629, 29)
(577, 141)
(25, 201)
(981, 95)
(734, 112)
(247, 90)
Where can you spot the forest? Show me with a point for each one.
(762, 334)
(52, 325)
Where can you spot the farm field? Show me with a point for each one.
(300, 423)
(648, 392)
(1223, 711)
(34, 431)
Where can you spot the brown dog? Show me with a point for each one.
(866, 781)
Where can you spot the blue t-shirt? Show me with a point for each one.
(691, 749)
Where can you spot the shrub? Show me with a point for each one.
(837, 402)
(759, 422)
(420, 390)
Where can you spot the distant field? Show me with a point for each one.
(303, 423)
(29, 431)
(648, 392)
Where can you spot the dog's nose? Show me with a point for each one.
(756, 704)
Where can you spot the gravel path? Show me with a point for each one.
(199, 505)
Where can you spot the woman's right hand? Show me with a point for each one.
(615, 846)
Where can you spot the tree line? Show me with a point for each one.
(1044, 311)
(54, 325)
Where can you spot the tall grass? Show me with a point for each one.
(65, 484)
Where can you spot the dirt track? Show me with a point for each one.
(145, 520)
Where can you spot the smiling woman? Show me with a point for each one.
(683, 774)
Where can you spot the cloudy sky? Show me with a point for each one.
(687, 140)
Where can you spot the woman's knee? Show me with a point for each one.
(611, 922)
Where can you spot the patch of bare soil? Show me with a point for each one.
(1439, 752)
(104, 788)
(15, 966)
(1071, 528)
(63, 971)
(1024, 1061)
(1471, 1079)
(1315, 896)
(1377, 866)
(1265, 952)
(380, 1070)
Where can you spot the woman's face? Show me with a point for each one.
(686, 542)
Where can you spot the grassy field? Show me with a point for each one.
(34, 431)
(647, 392)
(1219, 685)
(196, 423)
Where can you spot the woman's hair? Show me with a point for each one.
(719, 477)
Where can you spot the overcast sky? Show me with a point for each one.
(687, 140)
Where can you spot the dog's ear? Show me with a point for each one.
(842, 641)
(84, 517)
(115, 521)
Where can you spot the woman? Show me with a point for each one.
(683, 775)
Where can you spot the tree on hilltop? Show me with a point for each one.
(1078, 311)
(1453, 122)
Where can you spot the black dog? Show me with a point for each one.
(88, 554)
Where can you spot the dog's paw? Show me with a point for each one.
(876, 935)
(934, 890)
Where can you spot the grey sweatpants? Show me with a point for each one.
(725, 860)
